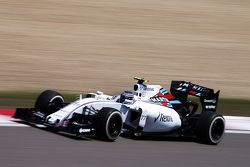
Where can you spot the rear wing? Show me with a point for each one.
(208, 98)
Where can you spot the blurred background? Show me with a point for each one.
(82, 46)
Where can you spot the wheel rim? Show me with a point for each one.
(55, 104)
(217, 129)
(114, 126)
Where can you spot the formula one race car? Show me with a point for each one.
(148, 110)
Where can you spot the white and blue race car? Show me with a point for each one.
(147, 110)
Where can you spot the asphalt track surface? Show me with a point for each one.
(28, 146)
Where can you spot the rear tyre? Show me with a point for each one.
(49, 101)
(108, 124)
(210, 128)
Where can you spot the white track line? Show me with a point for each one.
(237, 124)
(238, 131)
(8, 121)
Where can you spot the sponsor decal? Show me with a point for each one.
(210, 101)
(142, 87)
(163, 118)
(150, 89)
(198, 88)
(145, 88)
(81, 130)
(184, 84)
(210, 107)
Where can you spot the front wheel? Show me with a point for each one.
(210, 127)
(108, 124)
(49, 101)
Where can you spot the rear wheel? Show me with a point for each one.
(49, 101)
(108, 124)
(210, 127)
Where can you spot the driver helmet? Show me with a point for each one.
(126, 95)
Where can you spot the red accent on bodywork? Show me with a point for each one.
(164, 103)
(169, 96)
(160, 94)
(192, 92)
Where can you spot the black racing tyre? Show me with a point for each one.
(210, 128)
(108, 124)
(49, 101)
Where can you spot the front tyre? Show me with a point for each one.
(49, 101)
(108, 124)
(210, 128)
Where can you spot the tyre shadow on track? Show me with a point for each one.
(159, 138)
(93, 137)
(164, 138)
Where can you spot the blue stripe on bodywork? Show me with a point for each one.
(175, 102)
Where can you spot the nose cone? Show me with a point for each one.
(51, 120)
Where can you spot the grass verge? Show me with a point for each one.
(234, 107)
